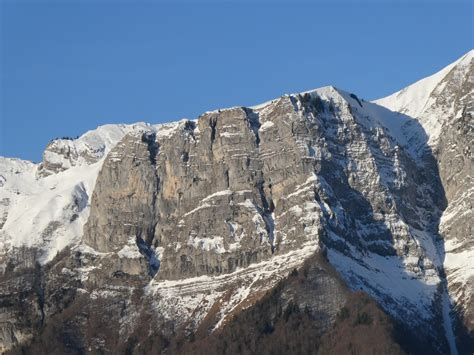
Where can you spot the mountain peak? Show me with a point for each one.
(430, 100)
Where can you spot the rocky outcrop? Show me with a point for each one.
(64, 153)
(207, 195)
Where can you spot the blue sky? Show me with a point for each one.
(71, 66)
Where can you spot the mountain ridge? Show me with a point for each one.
(352, 180)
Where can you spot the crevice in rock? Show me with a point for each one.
(190, 126)
(270, 227)
(145, 245)
(185, 157)
(147, 251)
(226, 174)
(150, 139)
(253, 119)
(267, 214)
(212, 124)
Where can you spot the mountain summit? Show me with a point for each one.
(435, 100)
(283, 227)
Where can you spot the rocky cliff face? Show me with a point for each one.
(208, 196)
(456, 161)
(445, 109)
(173, 230)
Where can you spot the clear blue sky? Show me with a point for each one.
(69, 67)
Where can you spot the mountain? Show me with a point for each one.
(283, 227)
(443, 104)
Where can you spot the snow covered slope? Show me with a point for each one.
(44, 206)
(62, 154)
(429, 100)
(48, 213)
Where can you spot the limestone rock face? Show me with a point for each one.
(124, 196)
(207, 195)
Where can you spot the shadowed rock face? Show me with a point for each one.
(443, 104)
